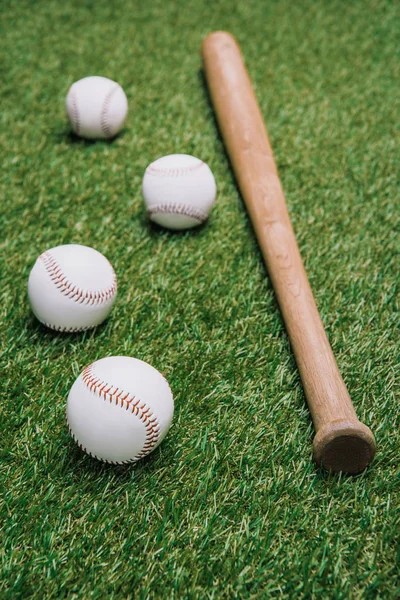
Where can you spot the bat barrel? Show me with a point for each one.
(342, 442)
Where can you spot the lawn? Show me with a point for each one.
(231, 504)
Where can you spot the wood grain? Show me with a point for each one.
(342, 442)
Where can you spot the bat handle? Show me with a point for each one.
(342, 442)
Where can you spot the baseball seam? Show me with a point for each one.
(177, 172)
(125, 400)
(64, 329)
(104, 124)
(177, 209)
(72, 291)
(75, 113)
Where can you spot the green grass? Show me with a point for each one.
(230, 505)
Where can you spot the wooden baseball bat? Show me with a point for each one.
(342, 442)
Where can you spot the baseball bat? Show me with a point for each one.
(342, 442)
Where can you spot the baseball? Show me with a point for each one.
(96, 107)
(119, 409)
(179, 191)
(72, 288)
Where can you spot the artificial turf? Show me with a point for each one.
(231, 504)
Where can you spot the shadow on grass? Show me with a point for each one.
(67, 136)
(332, 479)
(39, 333)
(79, 464)
(156, 231)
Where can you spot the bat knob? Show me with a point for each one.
(347, 446)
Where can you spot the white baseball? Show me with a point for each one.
(179, 191)
(96, 107)
(119, 409)
(72, 288)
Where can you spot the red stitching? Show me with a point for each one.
(65, 329)
(75, 112)
(95, 384)
(104, 124)
(177, 172)
(177, 209)
(72, 291)
(110, 462)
